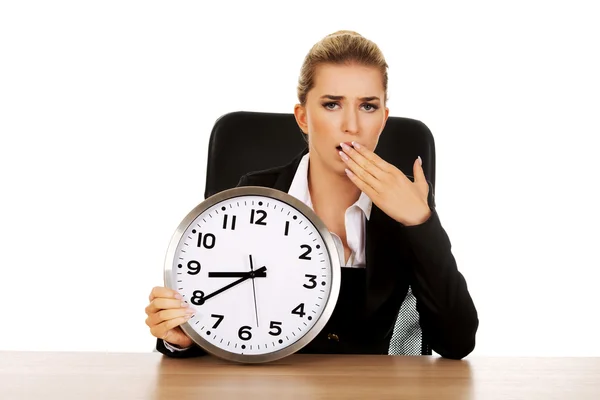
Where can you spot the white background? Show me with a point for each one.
(106, 109)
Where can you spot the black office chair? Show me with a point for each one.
(242, 142)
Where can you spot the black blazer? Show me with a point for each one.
(397, 257)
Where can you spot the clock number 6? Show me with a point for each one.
(244, 333)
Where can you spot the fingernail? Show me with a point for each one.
(178, 296)
(190, 311)
(184, 304)
(420, 161)
(356, 145)
(348, 172)
(344, 146)
(343, 155)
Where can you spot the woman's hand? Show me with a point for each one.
(388, 188)
(166, 312)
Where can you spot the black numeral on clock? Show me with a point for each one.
(312, 280)
(261, 219)
(233, 218)
(197, 297)
(304, 256)
(194, 267)
(277, 327)
(208, 240)
(219, 319)
(299, 310)
(244, 333)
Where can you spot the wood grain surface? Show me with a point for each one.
(38, 375)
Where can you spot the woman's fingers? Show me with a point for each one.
(160, 291)
(163, 329)
(161, 316)
(161, 303)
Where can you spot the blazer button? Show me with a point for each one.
(333, 336)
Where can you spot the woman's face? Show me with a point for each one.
(346, 104)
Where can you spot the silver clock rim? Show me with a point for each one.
(331, 253)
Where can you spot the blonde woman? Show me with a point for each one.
(396, 257)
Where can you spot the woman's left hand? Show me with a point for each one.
(388, 188)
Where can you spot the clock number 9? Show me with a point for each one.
(208, 241)
(193, 270)
(244, 333)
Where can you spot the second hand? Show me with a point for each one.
(254, 291)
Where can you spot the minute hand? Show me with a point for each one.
(248, 275)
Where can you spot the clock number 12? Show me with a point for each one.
(261, 219)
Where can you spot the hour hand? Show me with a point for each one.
(257, 274)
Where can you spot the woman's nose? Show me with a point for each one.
(350, 122)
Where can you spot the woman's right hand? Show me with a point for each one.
(166, 312)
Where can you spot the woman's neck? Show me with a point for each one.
(331, 193)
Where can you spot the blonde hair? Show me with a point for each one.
(341, 47)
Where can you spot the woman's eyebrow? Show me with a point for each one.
(332, 97)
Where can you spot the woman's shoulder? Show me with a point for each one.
(265, 177)
(279, 177)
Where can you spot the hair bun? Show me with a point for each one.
(344, 32)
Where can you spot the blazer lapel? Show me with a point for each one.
(286, 174)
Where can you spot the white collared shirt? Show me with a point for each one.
(354, 217)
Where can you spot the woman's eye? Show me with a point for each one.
(372, 107)
(327, 105)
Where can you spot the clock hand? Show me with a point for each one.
(247, 275)
(257, 274)
(254, 290)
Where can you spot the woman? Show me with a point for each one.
(392, 247)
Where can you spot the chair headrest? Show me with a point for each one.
(243, 142)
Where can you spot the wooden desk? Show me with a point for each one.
(109, 376)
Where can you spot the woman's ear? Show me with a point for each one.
(300, 114)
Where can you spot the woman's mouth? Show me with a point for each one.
(349, 144)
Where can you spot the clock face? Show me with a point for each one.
(260, 271)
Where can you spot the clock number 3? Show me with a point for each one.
(312, 280)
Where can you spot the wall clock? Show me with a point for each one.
(260, 269)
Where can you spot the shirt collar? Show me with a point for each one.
(299, 189)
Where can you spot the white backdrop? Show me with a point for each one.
(106, 110)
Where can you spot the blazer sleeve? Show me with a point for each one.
(194, 350)
(448, 317)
